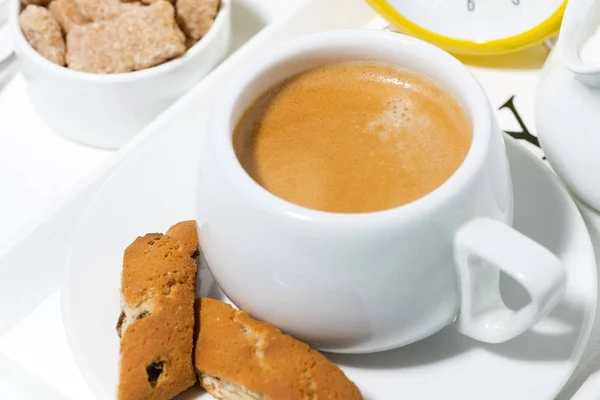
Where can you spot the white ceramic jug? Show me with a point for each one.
(567, 104)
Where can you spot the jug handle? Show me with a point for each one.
(575, 17)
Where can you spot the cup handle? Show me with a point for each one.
(483, 248)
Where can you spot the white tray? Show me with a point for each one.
(30, 271)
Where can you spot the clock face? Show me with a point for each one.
(477, 21)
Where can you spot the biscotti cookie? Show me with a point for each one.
(237, 357)
(157, 320)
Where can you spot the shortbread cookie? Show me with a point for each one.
(140, 38)
(196, 16)
(67, 14)
(157, 319)
(43, 33)
(237, 357)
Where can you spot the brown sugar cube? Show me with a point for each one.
(104, 10)
(196, 16)
(35, 2)
(151, 34)
(96, 48)
(140, 38)
(43, 33)
(67, 14)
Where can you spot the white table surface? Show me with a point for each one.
(38, 168)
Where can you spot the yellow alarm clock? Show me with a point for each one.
(475, 27)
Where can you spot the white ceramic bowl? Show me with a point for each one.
(106, 110)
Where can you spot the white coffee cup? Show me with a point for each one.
(357, 283)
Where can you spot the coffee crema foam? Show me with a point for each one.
(353, 137)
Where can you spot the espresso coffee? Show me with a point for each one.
(353, 137)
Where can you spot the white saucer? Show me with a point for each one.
(154, 189)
